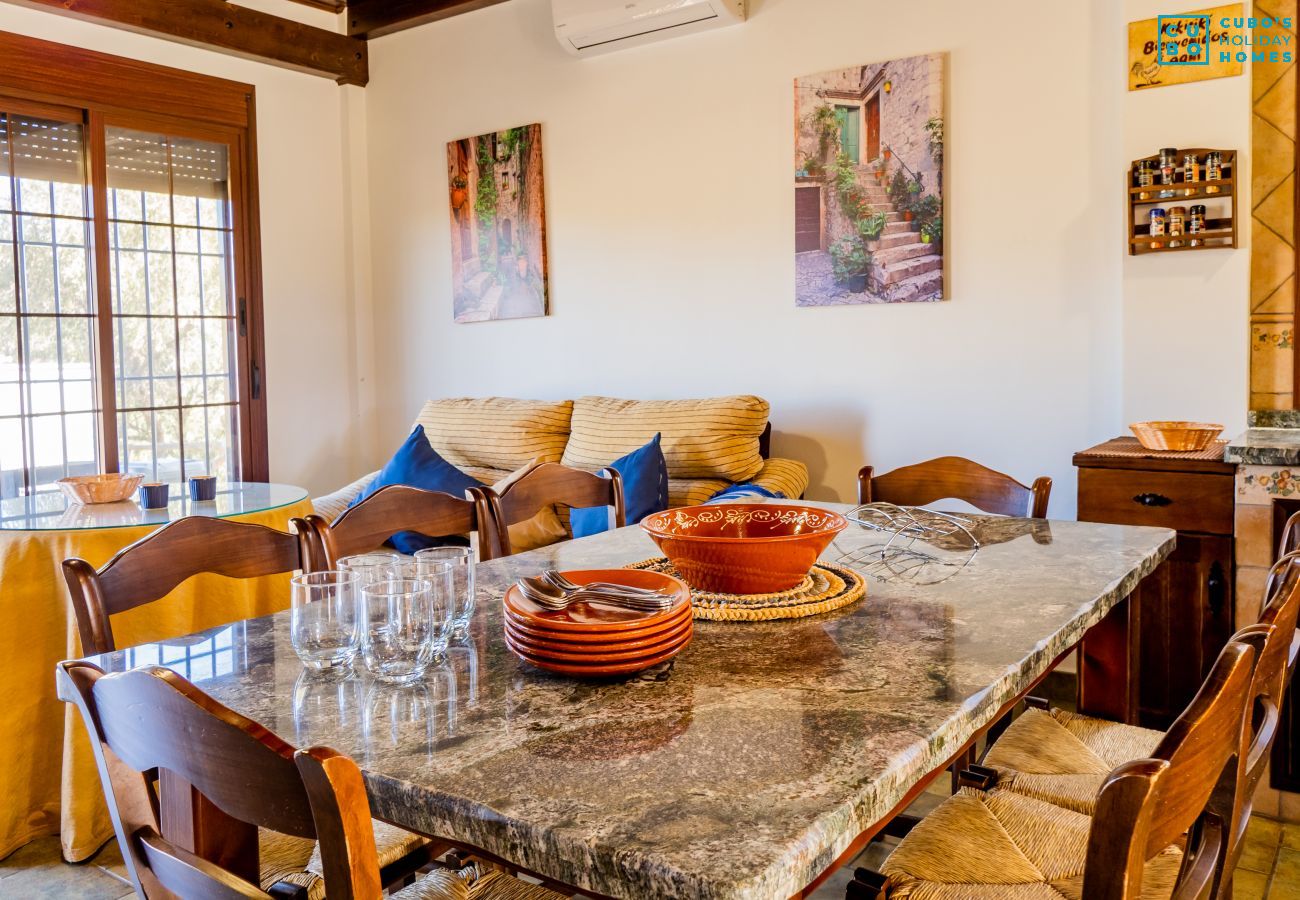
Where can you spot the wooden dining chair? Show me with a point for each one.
(1158, 831)
(1061, 757)
(953, 477)
(155, 565)
(551, 484)
(151, 720)
(398, 507)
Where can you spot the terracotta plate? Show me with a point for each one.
(596, 616)
(532, 628)
(560, 652)
(598, 670)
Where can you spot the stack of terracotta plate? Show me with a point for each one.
(595, 640)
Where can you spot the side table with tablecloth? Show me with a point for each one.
(48, 778)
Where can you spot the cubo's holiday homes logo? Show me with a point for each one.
(1184, 40)
(1262, 39)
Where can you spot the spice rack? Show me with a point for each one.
(1219, 198)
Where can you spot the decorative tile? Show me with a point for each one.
(1254, 535)
(1271, 156)
(1271, 358)
(1272, 262)
(1277, 105)
(1277, 211)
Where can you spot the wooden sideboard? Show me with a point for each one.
(1183, 611)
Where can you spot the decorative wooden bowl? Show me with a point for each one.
(109, 488)
(744, 548)
(1183, 437)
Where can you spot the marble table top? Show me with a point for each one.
(743, 769)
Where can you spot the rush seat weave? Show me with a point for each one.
(981, 846)
(1063, 757)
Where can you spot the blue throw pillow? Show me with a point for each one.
(645, 490)
(417, 464)
(740, 493)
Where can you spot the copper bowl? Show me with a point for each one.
(744, 548)
(109, 488)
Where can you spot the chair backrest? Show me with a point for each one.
(395, 508)
(553, 484)
(153, 566)
(953, 477)
(1275, 639)
(148, 721)
(1146, 805)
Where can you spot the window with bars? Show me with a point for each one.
(124, 332)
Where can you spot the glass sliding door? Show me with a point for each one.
(170, 239)
(48, 400)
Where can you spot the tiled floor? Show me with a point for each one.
(1269, 869)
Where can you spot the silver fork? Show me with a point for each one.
(546, 596)
(564, 584)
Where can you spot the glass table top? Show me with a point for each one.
(52, 511)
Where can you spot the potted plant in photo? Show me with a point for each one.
(814, 167)
(851, 262)
(932, 233)
(910, 203)
(871, 225)
(459, 191)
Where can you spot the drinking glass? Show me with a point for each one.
(371, 567)
(324, 628)
(462, 575)
(404, 628)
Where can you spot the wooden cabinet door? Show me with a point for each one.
(1186, 618)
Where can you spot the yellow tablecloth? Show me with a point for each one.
(48, 779)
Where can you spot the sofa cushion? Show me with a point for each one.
(417, 464)
(713, 438)
(783, 476)
(496, 432)
(645, 490)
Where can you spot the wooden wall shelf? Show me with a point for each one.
(1219, 197)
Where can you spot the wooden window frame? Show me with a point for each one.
(39, 73)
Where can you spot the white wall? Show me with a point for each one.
(309, 134)
(669, 217)
(1186, 315)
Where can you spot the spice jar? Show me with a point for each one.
(1213, 169)
(1168, 164)
(1196, 224)
(1157, 217)
(1175, 224)
(1191, 173)
(1146, 176)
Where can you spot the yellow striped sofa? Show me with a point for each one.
(709, 444)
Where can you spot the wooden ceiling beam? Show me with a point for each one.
(216, 24)
(334, 6)
(375, 18)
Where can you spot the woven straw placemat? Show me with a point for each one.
(825, 588)
(1127, 447)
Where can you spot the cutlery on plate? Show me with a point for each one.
(564, 584)
(552, 598)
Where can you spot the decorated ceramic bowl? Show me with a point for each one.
(743, 548)
(108, 488)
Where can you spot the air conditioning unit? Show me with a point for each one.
(589, 27)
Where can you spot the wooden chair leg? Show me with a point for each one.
(964, 761)
(899, 826)
(867, 885)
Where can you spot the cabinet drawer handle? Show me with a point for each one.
(1152, 500)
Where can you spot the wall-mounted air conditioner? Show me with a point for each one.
(588, 27)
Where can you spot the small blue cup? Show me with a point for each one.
(203, 488)
(154, 495)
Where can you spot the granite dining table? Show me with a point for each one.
(751, 765)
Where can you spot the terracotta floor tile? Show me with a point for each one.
(1286, 877)
(1257, 856)
(1291, 836)
(37, 872)
(1249, 886)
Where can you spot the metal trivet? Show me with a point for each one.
(948, 541)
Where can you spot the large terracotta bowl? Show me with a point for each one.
(743, 548)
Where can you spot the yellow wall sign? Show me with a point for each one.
(1177, 49)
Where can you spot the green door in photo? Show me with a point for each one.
(850, 118)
